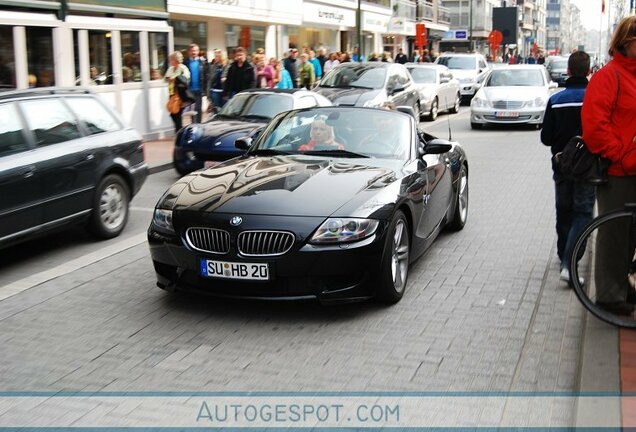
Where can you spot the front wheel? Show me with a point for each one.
(395, 262)
(460, 215)
(434, 110)
(110, 207)
(458, 102)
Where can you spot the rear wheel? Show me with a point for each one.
(395, 264)
(434, 110)
(110, 207)
(416, 110)
(460, 215)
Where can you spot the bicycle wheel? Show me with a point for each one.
(602, 255)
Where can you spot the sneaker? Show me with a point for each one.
(565, 276)
(617, 308)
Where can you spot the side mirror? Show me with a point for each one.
(243, 143)
(553, 85)
(437, 146)
(444, 79)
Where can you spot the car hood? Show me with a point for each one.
(348, 96)
(464, 73)
(294, 185)
(217, 128)
(514, 93)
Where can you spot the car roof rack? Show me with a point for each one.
(42, 91)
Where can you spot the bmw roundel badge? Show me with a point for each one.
(236, 221)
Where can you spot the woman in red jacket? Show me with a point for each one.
(609, 129)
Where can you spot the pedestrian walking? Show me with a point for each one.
(331, 63)
(285, 81)
(306, 72)
(356, 56)
(401, 57)
(562, 121)
(316, 64)
(291, 64)
(609, 129)
(198, 68)
(322, 58)
(240, 74)
(175, 71)
(264, 73)
(217, 67)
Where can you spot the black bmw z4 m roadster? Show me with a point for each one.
(328, 203)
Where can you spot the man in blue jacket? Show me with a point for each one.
(198, 67)
(562, 121)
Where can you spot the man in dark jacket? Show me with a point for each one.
(401, 57)
(240, 75)
(198, 67)
(562, 121)
(291, 64)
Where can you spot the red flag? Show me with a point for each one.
(602, 6)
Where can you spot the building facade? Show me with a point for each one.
(469, 17)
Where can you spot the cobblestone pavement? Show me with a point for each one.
(484, 311)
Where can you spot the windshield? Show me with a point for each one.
(355, 76)
(515, 77)
(339, 132)
(559, 64)
(451, 62)
(423, 75)
(257, 105)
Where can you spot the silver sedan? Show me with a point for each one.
(438, 90)
(516, 94)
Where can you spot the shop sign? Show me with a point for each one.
(323, 14)
(400, 25)
(374, 22)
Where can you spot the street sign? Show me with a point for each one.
(461, 34)
(495, 38)
(420, 35)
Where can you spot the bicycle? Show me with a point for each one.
(587, 292)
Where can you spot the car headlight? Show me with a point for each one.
(479, 102)
(162, 221)
(537, 102)
(371, 104)
(344, 230)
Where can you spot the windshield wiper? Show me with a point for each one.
(268, 152)
(225, 116)
(256, 116)
(362, 87)
(335, 152)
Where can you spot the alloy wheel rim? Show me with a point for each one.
(434, 110)
(458, 102)
(111, 207)
(399, 256)
(463, 196)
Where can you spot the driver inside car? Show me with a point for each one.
(384, 140)
(322, 138)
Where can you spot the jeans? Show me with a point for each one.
(216, 98)
(198, 97)
(574, 207)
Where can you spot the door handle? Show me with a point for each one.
(90, 156)
(28, 172)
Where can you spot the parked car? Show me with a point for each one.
(512, 95)
(558, 70)
(370, 84)
(65, 158)
(245, 115)
(328, 203)
(469, 69)
(439, 90)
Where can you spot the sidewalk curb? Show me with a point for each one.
(160, 168)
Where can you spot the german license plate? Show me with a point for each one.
(507, 114)
(233, 270)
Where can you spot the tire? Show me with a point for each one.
(579, 249)
(458, 102)
(417, 111)
(395, 262)
(434, 110)
(460, 214)
(110, 207)
(475, 125)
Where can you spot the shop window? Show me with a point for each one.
(100, 57)
(40, 56)
(7, 64)
(11, 138)
(187, 32)
(249, 37)
(130, 59)
(50, 121)
(93, 115)
(158, 50)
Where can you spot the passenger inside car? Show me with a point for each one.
(321, 138)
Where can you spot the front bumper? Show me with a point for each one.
(532, 116)
(331, 274)
(468, 89)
